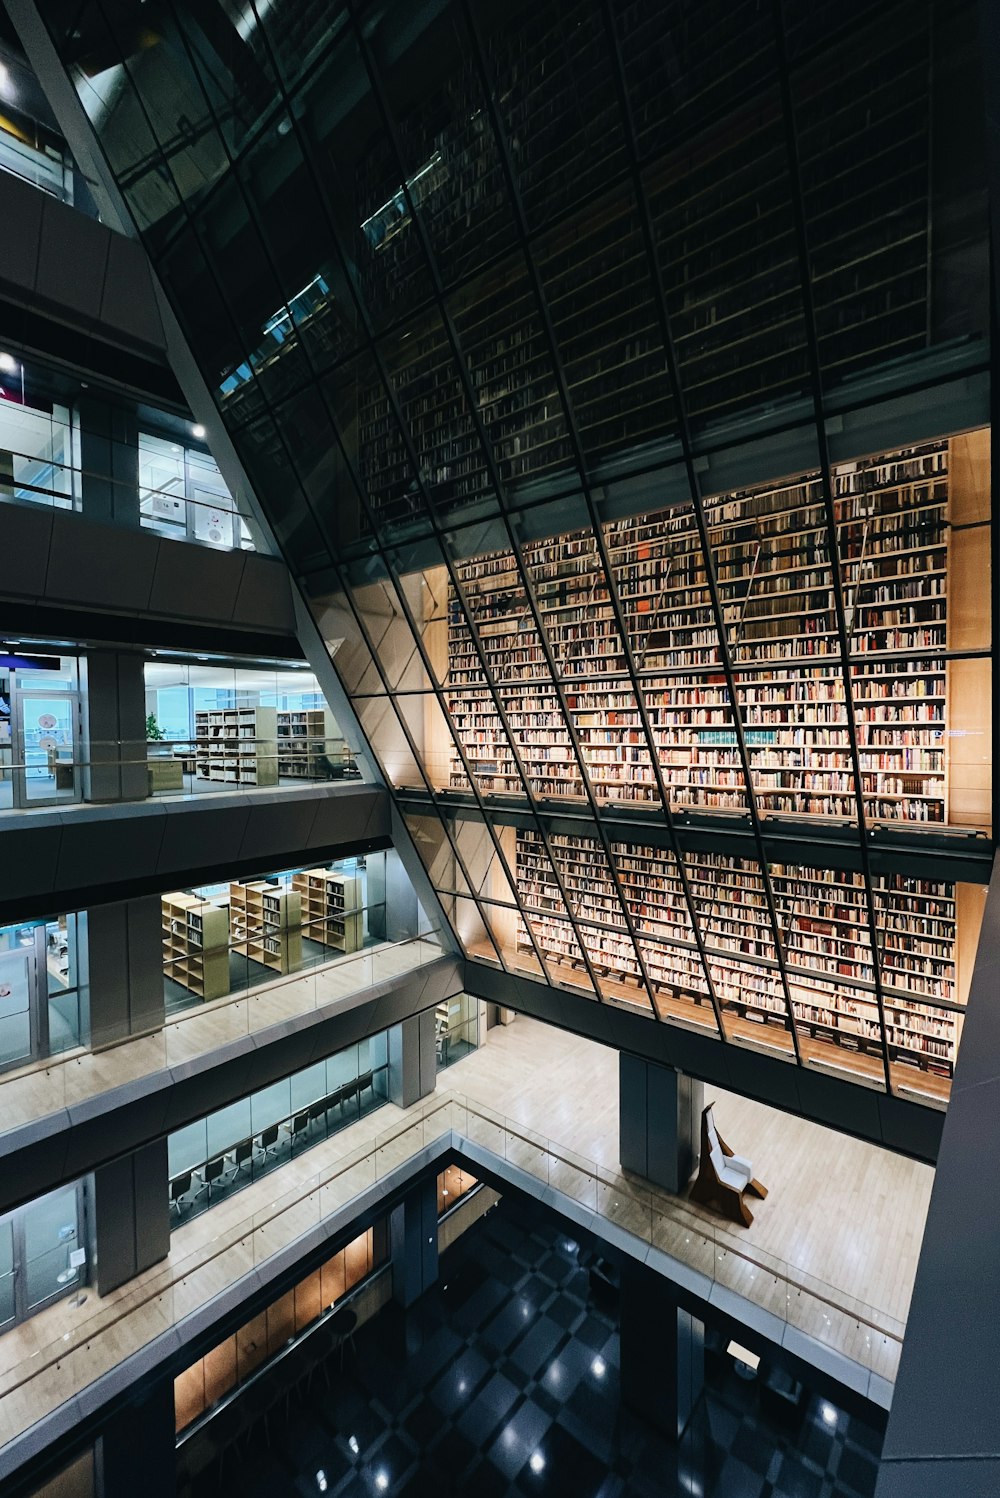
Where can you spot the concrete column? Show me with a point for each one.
(137, 1452)
(109, 460)
(662, 1351)
(114, 718)
(659, 1117)
(412, 1059)
(125, 969)
(413, 1243)
(131, 1229)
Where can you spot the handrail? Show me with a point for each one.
(169, 1292)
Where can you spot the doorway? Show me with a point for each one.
(46, 758)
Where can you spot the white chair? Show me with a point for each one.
(723, 1177)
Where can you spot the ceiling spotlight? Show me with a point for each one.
(536, 1462)
(8, 363)
(198, 432)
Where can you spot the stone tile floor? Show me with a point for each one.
(504, 1380)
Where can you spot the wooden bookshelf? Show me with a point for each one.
(266, 922)
(770, 553)
(927, 935)
(237, 745)
(196, 944)
(331, 908)
(305, 736)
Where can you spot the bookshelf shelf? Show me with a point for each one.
(266, 925)
(331, 908)
(305, 737)
(195, 944)
(236, 745)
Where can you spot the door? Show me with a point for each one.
(46, 752)
(18, 982)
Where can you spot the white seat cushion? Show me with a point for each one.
(733, 1178)
(736, 1162)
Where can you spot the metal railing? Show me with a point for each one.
(93, 1337)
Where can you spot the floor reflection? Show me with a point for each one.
(505, 1380)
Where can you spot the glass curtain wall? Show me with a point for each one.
(617, 378)
(236, 1145)
(223, 726)
(42, 1254)
(42, 1009)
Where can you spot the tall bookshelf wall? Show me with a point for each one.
(926, 937)
(775, 580)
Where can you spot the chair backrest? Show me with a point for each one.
(718, 1160)
(364, 1081)
(713, 1135)
(179, 1186)
(299, 1122)
(214, 1168)
(269, 1136)
(243, 1151)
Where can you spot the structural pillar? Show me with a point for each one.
(662, 1351)
(137, 1450)
(125, 969)
(659, 1121)
(109, 461)
(412, 1059)
(131, 1220)
(114, 717)
(413, 1243)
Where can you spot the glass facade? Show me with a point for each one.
(38, 1246)
(616, 378)
(42, 1004)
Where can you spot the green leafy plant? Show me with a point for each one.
(153, 730)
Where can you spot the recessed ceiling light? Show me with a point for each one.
(536, 1462)
(198, 431)
(8, 363)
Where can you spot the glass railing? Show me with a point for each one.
(76, 1342)
(212, 520)
(50, 1085)
(53, 771)
(48, 170)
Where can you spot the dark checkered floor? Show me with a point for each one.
(504, 1380)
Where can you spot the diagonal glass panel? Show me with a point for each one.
(450, 158)
(437, 853)
(928, 933)
(555, 93)
(652, 886)
(422, 371)
(499, 611)
(594, 901)
(892, 535)
(505, 349)
(775, 584)
(544, 908)
(595, 276)
(879, 200)
(571, 589)
(823, 918)
(730, 903)
(660, 576)
(718, 56)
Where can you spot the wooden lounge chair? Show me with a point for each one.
(723, 1178)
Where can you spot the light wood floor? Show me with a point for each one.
(45, 1086)
(843, 1211)
(858, 1066)
(840, 1210)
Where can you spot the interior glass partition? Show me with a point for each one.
(227, 938)
(236, 1145)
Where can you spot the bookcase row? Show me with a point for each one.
(926, 936)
